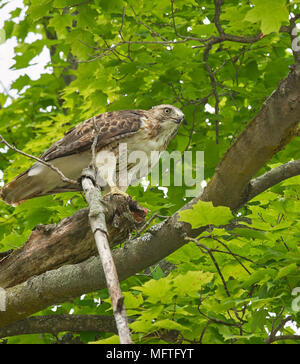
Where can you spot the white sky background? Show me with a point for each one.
(7, 75)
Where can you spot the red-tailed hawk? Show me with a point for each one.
(141, 130)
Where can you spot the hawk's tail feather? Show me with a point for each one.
(67, 188)
(24, 187)
(20, 189)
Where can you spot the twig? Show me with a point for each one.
(107, 51)
(213, 86)
(272, 337)
(218, 321)
(204, 330)
(193, 127)
(55, 169)
(5, 90)
(208, 250)
(153, 33)
(218, 4)
(235, 255)
(147, 223)
(235, 58)
(231, 253)
(73, 5)
(122, 24)
(184, 37)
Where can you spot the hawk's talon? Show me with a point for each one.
(116, 191)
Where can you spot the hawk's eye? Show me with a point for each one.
(167, 110)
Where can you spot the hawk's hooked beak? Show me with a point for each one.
(180, 118)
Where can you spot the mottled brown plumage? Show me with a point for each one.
(110, 125)
(144, 130)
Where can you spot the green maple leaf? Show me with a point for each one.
(270, 13)
(204, 213)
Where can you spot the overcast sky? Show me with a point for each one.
(7, 75)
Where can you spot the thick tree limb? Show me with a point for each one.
(54, 324)
(69, 281)
(6, 253)
(68, 242)
(271, 129)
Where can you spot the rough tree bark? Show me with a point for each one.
(272, 128)
(54, 324)
(68, 242)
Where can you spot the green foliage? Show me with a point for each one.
(230, 284)
(271, 14)
(204, 213)
(2, 36)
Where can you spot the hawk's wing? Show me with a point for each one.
(111, 126)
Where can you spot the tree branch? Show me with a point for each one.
(214, 88)
(273, 334)
(272, 178)
(54, 324)
(69, 281)
(97, 220)
(69, 242)
(282, 337)
(294, 34)
(270, 131)
(209, 251)
(100, 231)
(218, 4)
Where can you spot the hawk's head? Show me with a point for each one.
(164, 122)
(167, 115)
